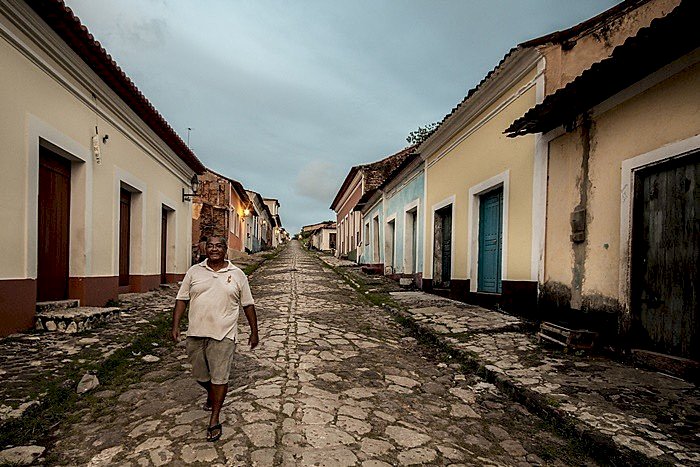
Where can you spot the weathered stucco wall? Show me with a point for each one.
(36, 105)
(395, 203)
(666, 113)
(347, 220)
(565, 63)
(368, 255)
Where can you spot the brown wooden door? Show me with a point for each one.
(163, 245)
(53, 226)
(666, 257)
(124, 236)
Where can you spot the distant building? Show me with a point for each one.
(322, 236)
(219, 209)
(393, 216)
(258, 224)
(274, 205)
(359, 180)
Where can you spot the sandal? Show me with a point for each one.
(214, 432)
(206, 406)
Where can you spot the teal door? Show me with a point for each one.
(490, 241)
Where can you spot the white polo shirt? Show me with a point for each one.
(215, 299)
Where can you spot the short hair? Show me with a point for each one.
(223, 239)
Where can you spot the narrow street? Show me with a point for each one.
(334, 382)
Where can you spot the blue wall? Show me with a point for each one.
(394, 203)
(368, 251)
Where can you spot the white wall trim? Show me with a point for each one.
(81, 187)
(387, 221)
(539, 192)
(409, 207)
(665, 153)
(436, 207)
(139, 208)
(427, 252)
(376, 247)
(475, 192)
(173, 234)
(352, 188)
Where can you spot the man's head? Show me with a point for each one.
(216, 248)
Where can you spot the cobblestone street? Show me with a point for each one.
(334, 382)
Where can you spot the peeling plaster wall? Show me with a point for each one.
(565, 63)
(666, 113)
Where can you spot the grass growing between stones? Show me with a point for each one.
(251, 268)
(59, 400)
(467, 362)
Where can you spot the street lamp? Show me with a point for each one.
(194, 184)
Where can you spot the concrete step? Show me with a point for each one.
(75, 319)
(43, 307)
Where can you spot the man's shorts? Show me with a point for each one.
(211, 359)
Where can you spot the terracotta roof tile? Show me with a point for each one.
(69, 28)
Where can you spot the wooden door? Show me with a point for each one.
(53, 226)
(447, 247)
(163, 245)
(442, 267)
(490, 241)
(666, 257)
(124, 236)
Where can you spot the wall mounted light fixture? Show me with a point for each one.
(194, 184)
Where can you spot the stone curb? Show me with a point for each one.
(602, 447)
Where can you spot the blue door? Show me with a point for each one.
(490, 241)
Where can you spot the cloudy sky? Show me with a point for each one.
(286, 96)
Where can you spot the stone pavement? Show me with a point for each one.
(631, 414)
(28, 360)
(334, 382)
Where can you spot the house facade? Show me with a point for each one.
(219, 210)
(622, 251)
(93, 176)
(273, 206)
(479, 187)
(258, 224)
(403, 204)
(486, 197)
(361, 179)
(393, 222)
(324, 237)
(373, 237)
(347, 219)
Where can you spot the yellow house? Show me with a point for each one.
(623, 196)
(479, 189)
(485, 193)
(92, 176)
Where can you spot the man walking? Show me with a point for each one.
(215, 289)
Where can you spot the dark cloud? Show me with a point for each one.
(287, 96)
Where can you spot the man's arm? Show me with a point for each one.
(179, 310)
(252, 318)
